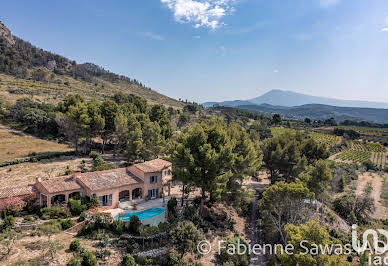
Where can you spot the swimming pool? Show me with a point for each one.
(142, 215)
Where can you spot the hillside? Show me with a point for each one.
(321, 112)
(290, 99)
(28, 70)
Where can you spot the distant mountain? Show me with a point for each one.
(290, 98)
(321, 112)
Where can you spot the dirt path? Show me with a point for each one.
(377, 183)
(256, 259)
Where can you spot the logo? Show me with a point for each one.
(379, 246)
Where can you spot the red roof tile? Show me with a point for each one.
(108, 179)
(60, 184)
(16, 191)
(153, 166)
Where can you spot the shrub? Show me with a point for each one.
(75, 245)
(88, 259)
(82, 217)
(134, 224)
(76, 207)
(102, 253)
(75, 261)
(67, 223)
(7, 223)
(118, 227)
(52, 213)
(128, 260)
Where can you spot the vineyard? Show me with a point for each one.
(322, 138)
(329, 140)
(361, 152)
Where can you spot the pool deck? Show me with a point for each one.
(144, 205)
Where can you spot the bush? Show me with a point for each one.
(82, 217)
(75, 261)
(52, 213)
(76, 207)
(8, 222)
(128, 260)
(134, 224)
(67, 223)
(88, 259)
(118, 227)
(75, 245)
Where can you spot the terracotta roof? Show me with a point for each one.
(16, 191)
(108, 179)
(153, 166)
(60, 184)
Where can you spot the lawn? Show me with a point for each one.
(16, 144)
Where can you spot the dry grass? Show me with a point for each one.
(15, 144)
(31, 248)
(12, 89)
(377, 184)
(25, 173)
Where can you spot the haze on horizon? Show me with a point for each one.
(212, 50)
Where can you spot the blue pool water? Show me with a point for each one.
(146, 214)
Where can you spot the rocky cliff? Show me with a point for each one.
(6, 34)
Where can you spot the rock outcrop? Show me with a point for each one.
(6, 34)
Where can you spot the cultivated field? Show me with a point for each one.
(361, 152)
(15, 144)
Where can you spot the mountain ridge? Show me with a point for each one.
(34, 67)
(293, 99)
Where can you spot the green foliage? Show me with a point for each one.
(128, 260)
(134, 225)
(185, 237)
(88, 259)
(314, 234)
(7, 223)
(228, 258)
(76, 207)
(284, 203)
(75, 245)
(118, 227)
(286, 155)
(94, 202)
(354, 208)
(54, 212)
(317, 178)
(75, 261)
(214, 157)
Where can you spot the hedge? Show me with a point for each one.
(35, 158)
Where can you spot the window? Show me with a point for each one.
(153, 179)
(105, 200)
(153, 193)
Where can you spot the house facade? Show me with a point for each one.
(143, 181)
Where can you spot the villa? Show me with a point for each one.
(138, 182)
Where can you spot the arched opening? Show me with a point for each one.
(124, 195)
(58, 199)
(75, 195)
(137, 194)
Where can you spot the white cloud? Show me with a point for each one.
(275, 71)
(328, 3)
(384, 29)
(197, 37)
(153, 36)
(202, 13)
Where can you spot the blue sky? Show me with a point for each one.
(206, 50)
